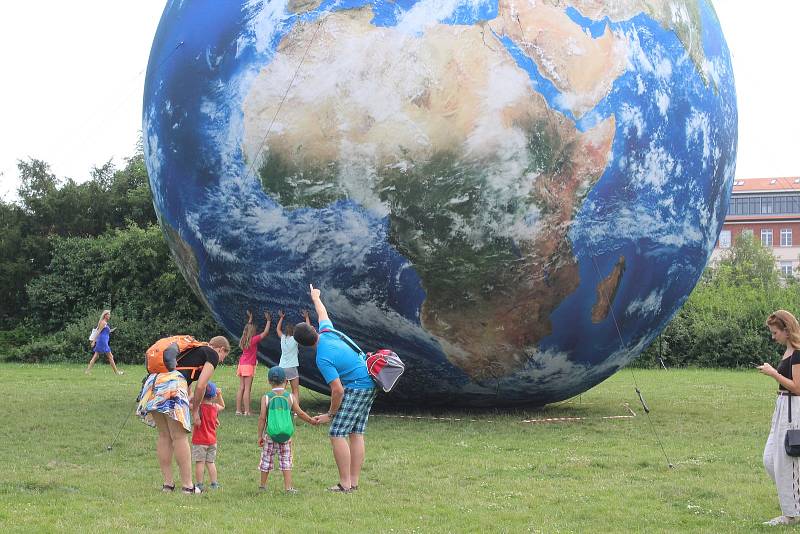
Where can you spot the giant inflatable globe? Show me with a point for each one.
(514, 196)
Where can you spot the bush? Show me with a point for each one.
(129, 271)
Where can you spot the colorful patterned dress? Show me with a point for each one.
(166, 393)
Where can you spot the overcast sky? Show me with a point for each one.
(71, 92)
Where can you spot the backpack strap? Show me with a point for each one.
(194, 370)
(346, 339)
(180, 356)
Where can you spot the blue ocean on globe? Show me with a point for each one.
(515, 197)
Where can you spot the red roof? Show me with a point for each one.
(751, 185)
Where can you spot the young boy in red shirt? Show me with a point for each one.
(204, 436)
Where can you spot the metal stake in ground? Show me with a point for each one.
(111, 446)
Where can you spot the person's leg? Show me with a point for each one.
(164, 448)
(92, 362)
(212, 472)
(266, 462)
(287, 479)
(248, 383)
(769, 453)
(112, 364)
(183, 454)
(786, 468)
(295, 382)
(363, 401)
(285, 464)
(239, 394)
(341, 455)
(199, 467)
(357, 453)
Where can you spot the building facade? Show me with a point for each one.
(768, 209)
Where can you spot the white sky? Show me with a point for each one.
(71, 92)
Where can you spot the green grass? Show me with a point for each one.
(420, 476)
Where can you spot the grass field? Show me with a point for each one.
(422, 475)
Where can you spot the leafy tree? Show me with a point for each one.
(747, 263)
(49, 207)
(127, 270)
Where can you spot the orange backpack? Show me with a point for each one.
(168, 351)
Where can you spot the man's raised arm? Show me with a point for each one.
(322, 313)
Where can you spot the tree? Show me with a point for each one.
(747, 263)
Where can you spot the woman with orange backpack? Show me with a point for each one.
(174, 363)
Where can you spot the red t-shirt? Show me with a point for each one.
(248, 356)
(206, 432)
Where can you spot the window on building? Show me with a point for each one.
(764, 204)
(766, 238)
(725, 239)
(786, 237)
(786, 268)
(781, 204)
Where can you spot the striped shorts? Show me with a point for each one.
(353, 412)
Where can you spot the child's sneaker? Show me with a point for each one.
(200, 486)
(214, 485)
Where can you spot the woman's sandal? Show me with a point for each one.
(166, 488)
(190, 491)
(338, 488)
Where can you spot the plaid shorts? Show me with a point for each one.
(353, 412)
(284, 451)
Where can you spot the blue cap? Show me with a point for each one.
(211, 390)
(276, 375)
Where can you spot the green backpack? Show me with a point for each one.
(280, 426)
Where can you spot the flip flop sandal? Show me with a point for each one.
(338, 488)
(166, 488)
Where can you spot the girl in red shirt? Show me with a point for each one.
(248, 361)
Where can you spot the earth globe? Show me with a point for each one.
(514, 196)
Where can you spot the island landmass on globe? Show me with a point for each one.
(607, 290)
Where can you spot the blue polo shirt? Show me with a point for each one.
(335, 359)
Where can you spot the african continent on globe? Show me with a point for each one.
(515, 196)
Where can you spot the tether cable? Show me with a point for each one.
(633, 375)
(285, 95)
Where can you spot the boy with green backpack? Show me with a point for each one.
(277, 406)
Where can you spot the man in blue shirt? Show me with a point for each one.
(352, 393)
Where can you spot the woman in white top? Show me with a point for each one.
(289, 361)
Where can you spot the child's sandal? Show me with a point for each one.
(166, 488)
(190, 491)
(338, 488)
